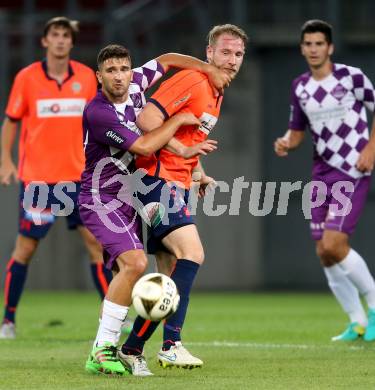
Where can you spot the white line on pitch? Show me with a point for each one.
(229, 344)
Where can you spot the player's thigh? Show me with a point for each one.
(185, 243)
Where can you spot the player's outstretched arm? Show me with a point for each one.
(158, 138)
(8, 169)
(218, 78)
(291, 140)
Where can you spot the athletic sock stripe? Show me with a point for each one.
(101, 278)
(7, 287)
(144, 328)
(10, 263)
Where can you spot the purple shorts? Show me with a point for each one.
(345, 198)
(118, 228)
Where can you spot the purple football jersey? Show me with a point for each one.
(110, 130)
(335, 110)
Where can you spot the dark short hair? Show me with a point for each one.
(62, 21)
(230, 29)
(112, 51)
(316, 25)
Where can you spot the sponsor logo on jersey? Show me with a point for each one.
(114, 136)
(56, 108)
(183, 99)
(208, 122)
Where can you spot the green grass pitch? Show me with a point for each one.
(247, 341)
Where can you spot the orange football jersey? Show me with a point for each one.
(186, 91)
(51, 144)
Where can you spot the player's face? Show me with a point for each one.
(227, 53)
(316, 49)
(58, 41)
(115, 75)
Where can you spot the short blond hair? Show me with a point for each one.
(230, 29)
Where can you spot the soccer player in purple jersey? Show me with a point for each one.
(332, 99)
(111, 140)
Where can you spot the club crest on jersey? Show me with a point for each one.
(76, 87)
(137, 100)
(339, 92)
(183, 99)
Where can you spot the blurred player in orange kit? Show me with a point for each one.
(48, 98)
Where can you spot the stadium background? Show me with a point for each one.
(242, 252)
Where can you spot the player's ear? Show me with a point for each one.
(209, 53)
(331, 49)
(99, 76)
(43, 42)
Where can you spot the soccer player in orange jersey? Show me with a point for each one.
(176, 244)
(48, 98)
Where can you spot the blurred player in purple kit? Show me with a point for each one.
(332, 99)
(111, 140)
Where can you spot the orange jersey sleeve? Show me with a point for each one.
(17, 103)
(178, 92)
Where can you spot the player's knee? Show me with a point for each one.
(193, 254)
(24, 250)
(329, 252)
(135, 264)
(141, 266)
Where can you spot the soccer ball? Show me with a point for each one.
(155, 297)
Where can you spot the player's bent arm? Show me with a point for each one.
(219, 79)
(7, 166)
(8, 135)
(371, 142)
(291, 140)
(152, 117)
(156, 139)
(295, 138)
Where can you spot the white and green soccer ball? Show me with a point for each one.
(155, 297)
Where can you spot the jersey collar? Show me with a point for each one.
(45, 70)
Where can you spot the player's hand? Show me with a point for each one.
(203, 148)
(8, 173)
(188, 119)
(366, 159)
(281, 147)
(205, 183)
(218, 79)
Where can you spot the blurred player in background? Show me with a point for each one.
(176, 244)
(332, 99)
(111, 140)
(48, 98)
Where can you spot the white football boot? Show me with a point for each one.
(7, 330)
(178, 356)
(135, 363)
